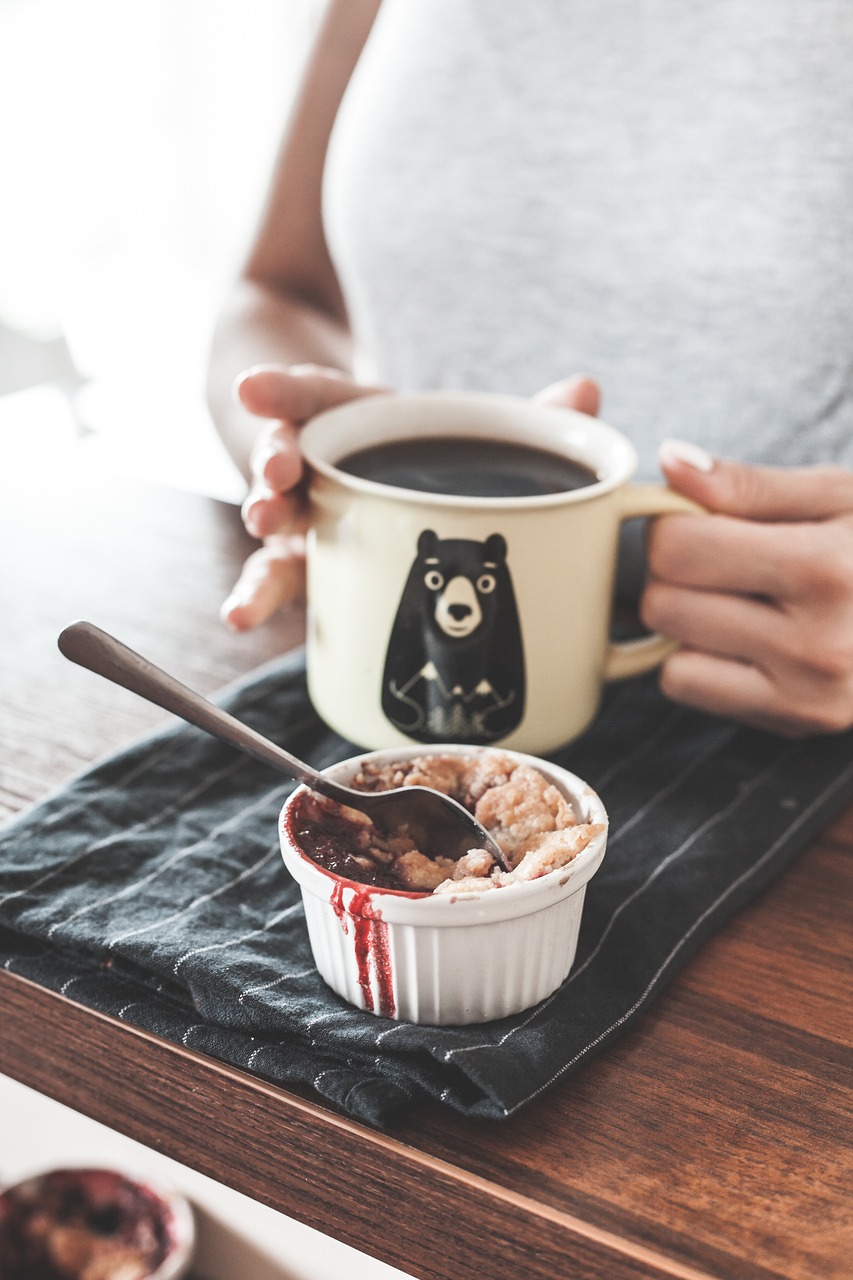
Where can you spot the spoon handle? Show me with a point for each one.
(90, 647)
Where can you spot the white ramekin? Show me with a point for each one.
(446, 959)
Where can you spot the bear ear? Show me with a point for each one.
(427, 544)
(495, 548)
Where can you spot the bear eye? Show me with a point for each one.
(486, 583)
(433, 579)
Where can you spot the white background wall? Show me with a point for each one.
(135, 146)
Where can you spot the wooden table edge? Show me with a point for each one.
(50, 1043)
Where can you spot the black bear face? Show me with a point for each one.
(461, 575)
(454, 670)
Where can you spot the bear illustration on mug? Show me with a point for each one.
(454, 669)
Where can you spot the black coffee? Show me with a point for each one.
(467, 467)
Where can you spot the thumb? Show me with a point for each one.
(580, 393)
(295, 393)
(756, 493)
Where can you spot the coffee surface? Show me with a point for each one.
(467, 467)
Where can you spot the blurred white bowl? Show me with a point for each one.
(107, 1191)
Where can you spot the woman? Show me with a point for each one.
(483, 195)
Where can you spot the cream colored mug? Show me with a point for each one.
(439, 618)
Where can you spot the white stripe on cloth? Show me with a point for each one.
(254, 1054)
(275, 982)
(235, 942)
(175, 807)
(176, 857)
(131, 1005)
(701, 830)
(643, 749)
(692, 765)
(330, 1015)
(196, 1026)
(834, 786)
(118, 784)
(196, 902)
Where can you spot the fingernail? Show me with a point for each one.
(316, 370)
(237, 384)
(229, 606)
(252, 512)
(251, 372)
(261, 455)
(691, 455)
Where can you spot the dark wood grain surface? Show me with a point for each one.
(713, 1140)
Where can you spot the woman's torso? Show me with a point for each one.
(658, 194)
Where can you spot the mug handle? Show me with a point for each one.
(632, 657)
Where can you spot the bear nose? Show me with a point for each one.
(458, 611)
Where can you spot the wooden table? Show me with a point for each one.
(713, 1140)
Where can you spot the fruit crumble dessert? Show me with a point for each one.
(529, 817)
(82, 1224)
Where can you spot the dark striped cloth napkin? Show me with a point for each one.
(151, 888)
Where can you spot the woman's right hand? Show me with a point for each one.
(275, 508)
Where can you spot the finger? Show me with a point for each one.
(580, 393)
(266, 514)
(721, 553)
(296, 393)
(746, 693)
(720, 686)
(276, 462)
(729, 626)
(756, 493)
(271, 577)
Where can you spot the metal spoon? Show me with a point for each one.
(440, 825)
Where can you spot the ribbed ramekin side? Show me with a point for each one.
(333, 946)
(448, 975)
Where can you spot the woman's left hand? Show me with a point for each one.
(759, 594)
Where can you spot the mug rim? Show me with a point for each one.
(500, 414)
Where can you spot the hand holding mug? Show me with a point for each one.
(760, 596)
(275, 508)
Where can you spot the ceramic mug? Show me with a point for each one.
(439, 618)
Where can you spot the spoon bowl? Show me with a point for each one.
(445, 827)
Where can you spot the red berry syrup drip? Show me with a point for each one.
(326, 839)
(370, 938)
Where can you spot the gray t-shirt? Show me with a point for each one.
(655, 192)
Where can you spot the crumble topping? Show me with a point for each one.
(528, 816)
